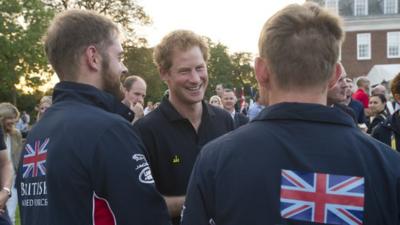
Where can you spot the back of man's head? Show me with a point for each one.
(362, 82)
(301, 45)
(70, 33)
(378, 89)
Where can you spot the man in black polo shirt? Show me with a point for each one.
(175, 132)
(299, 162)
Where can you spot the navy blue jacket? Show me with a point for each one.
(358, 108)
(239, 120)
(388, 130)
(295, 164)
(96, 171)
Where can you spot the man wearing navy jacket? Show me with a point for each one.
(82, 163)
(299, 161)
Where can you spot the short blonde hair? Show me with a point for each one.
(301, 45)
(177, 40)
(215, 97)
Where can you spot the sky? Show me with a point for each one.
(234, 23)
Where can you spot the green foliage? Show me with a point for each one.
(139, 61)
(127, 13)
(220, 67)
(243, 72)
(233, 71)
(22, 24)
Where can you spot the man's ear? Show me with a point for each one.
(337, 72)
(92, 58)
(261, 71)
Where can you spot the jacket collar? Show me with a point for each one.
(306, 112)
(90, 95)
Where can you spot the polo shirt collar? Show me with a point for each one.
(305, 112)
(173, 115)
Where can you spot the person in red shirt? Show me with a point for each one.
(362, 92)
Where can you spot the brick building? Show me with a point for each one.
(372, 36)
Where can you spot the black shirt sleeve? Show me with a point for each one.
(2, 143)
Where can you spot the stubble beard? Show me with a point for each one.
(111, 84)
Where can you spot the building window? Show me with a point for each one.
(332, 5)
(390, 6)
(360, 7)
(364, 46)
(393, 44)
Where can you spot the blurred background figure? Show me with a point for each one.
(362, 92)
(255, 108)
(355, 105)
(215, 100)
(134, 93)
(378, 114)
(23, 123)
(9, 115)
(219, 90)
(148, 108)
(381, 90)
(44, 104)
(228, 101)
(388, 131)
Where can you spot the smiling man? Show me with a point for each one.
(175, 132)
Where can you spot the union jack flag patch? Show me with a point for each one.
(34, 161)
(322, 198)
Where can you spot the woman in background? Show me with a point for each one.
(44, 104)
(215, 100)
(377, 106)
(9, 115)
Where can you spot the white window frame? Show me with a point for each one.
(385, 9)
(358, 2)
(336, 3)
(362, 39)
(396, 42)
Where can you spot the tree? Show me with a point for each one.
(124, 12)
(139, 61)
(233, 71)
(22, 24)
(243, 71)
(220, 67)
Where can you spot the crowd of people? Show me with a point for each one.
(304, 152)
